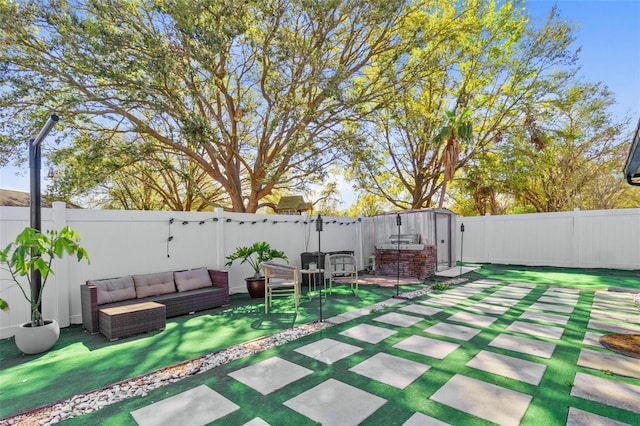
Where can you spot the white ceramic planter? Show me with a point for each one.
(34, 340)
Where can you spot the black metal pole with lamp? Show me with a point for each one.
(461, 245)
(35, 164)
(319, 230)
(398, 222)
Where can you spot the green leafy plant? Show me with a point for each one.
(256, 254)
(440, 287)
(34, 249)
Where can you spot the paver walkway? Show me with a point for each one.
(480, 353)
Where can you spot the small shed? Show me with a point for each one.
(423, 239)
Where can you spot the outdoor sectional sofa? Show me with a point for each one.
(181, 293)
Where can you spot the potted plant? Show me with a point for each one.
(35, 250)
(254, 255)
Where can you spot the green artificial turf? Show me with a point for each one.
(80, 362)
(550, 400)
(588, 279)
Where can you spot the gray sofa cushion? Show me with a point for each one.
(154, 284)
(115, 289)
(193, 279)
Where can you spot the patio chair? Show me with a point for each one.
(344, 270)
(280, 281)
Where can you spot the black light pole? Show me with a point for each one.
(35, 164)
(461, 245)
(398, 222)
(319, 230)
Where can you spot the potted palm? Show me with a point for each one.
(35, 250)
(254, 255)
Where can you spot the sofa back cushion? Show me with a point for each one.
(154, 284)
(193, 279)
(114, 289)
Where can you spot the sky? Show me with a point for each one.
(609, 38)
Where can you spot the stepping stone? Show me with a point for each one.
(539, 330)
(517, 288)
(270, 375)
(427, 346)
(256, 422)
(523, 285)
(440, 302)
(483, 282)
(510, 367)
(391, 370)
(607, 392)
(489, 309)
(632, 309)
(480, 400)
(592, 339)
(558, 300)
(500, 301)
(328, 350)
(368, 333)
(552, 308)
(198, 406)
(419, 419)
(613, 327)
(399, 320)
(454, 294)
(561, 294)
(509, 294)
(615, 296)
(472, 319)
(335, 403)
(619, 364)
(618, 316)
(469, 290)
(524, 345)
(421, 309)
(453, 331)
(539, 316)
(563, 290)
(579, 417)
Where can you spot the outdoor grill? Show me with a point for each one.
(404, 241)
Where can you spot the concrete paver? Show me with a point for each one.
(524, 345)
(198, 406)
(328, 350)
(391, 370)
(335, 403)
(368, 333)
(607, 391)
(480, 399)
(508, 366)
(270, 375)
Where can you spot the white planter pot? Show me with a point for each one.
(34, 340)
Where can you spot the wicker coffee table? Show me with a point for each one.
(131, 319)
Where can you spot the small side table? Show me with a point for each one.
(126, 320)
(314, 275)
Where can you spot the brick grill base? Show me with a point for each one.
(413, 263)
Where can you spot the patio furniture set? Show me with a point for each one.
(119, 307)
(284, 280)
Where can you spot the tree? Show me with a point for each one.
(471, 55)
(563, 154)
(256, 94)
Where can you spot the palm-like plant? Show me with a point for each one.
(34, 249)
(256, 254)
(458, 128)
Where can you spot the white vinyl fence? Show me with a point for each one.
(577, 239)
(138, 242)
(122, 243)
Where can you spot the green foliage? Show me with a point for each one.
(35, 250)
(256, 254)
(439, 287)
